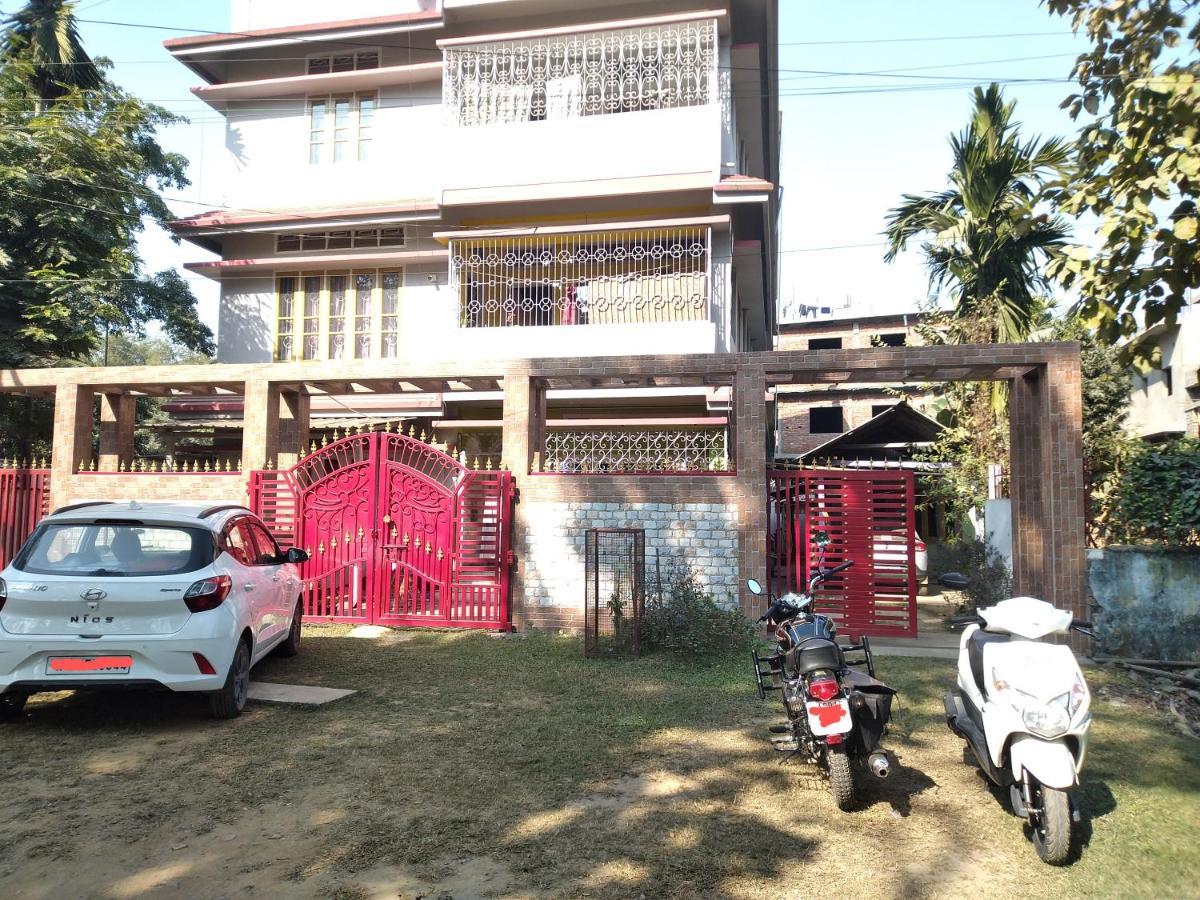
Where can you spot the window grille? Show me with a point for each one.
(613, 451)
(569, 76)
(357, 239)
(343, 62)
(658, 275)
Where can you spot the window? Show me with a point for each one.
(239, 544)
(120, 550)
(878, 409)
(338, 315)
(825, 420)
(826, 343)
(1168, 380)
(340, 127)
(343, 62)
(266, 551)
(897, 339)
(358, 239)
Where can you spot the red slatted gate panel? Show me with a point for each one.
(398, 533)
(869, 517)
(24, 501)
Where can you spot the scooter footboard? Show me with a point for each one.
(1050, 762)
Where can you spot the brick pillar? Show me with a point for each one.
(749, 418)
(260, 425)
(524, 425)
(72, 439)
(1049, 539)
(116, 431)
(293, 427)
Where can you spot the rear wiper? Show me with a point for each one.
(103, 572)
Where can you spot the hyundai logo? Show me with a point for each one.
(93, 595)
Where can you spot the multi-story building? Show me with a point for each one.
(1164, 401)
(810, 417)
(483, 179)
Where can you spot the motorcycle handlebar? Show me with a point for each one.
(840, 568)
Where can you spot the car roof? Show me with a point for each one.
(209, 515)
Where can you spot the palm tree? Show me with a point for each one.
(43, 32)
(988, 245)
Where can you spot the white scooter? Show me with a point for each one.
(1024, 709)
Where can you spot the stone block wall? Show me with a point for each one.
(702, 534)
(197, 487)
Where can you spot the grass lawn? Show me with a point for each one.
(512, 767)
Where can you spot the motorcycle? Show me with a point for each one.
(1023, 708)
(836, 715)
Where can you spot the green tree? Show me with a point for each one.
(1137, 161)
(987, 244)
(77, 178)
(44, 33)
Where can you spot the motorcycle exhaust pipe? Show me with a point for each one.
(879, 764)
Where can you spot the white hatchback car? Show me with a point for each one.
(158, 595)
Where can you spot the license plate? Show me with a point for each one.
(829, 717)
(91, 665)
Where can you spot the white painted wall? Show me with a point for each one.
(1152, 410)
(251, 14)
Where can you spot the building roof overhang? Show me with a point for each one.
(224, 221)
(217, 95)
(266, 264)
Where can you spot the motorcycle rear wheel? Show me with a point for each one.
(1052, 827)
(841, 779)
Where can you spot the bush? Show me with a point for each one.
(683, 618)
(1157, 497)
(991, 581)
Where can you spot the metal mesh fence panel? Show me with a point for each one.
(615, 590)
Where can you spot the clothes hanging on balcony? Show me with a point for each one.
(575, 304)
(564, 97)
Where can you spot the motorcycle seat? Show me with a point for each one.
(814, 654)
(975, 645)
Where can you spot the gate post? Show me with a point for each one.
(524, 427)
(116, 431)
(72, 439)
(750, 449)
(293, 427)
(260, 425)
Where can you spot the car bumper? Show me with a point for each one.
(163, 662)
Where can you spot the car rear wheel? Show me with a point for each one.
(291, 643)
(11, 706)
(230, 700)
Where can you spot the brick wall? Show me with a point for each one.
(191, 488)
(704, 535)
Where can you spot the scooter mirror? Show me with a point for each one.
(754, 586)
(954, 580)
(821, 539)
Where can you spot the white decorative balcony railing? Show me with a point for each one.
(654, 275)
(623, 451)
(591, 74)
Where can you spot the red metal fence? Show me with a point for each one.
(869, 518)
(24, 500)
(399, 533)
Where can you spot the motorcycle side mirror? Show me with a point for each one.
(755, 587)
(954, 580)
(821, 539)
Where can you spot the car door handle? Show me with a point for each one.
(275, 578)
(247, 587)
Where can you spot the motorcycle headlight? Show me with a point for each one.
(1050, 719)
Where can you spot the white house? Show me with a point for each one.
(1164, 402)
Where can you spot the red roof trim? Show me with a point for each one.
(242, 217)
(202, 40)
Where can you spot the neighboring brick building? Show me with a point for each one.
(811, 416)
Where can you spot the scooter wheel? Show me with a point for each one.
(1052, 827)
(841, 780)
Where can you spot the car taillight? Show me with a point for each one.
(208, 594)
(202, 663)
(920, 546)
(3, 593)
(823, 688)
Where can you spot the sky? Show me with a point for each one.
(852, 144)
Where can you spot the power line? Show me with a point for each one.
(927, 38)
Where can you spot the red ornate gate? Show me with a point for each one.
(869, 518)
(399, 533)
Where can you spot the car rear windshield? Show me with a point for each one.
(115, 549)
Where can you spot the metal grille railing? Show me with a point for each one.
(569, 76)
(654, 275)
(614, 451)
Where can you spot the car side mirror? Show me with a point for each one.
(955, 581)
(755, 587)
(296, 555)
(821, 539)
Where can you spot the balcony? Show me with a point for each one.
(621, 104)
(637, 277)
